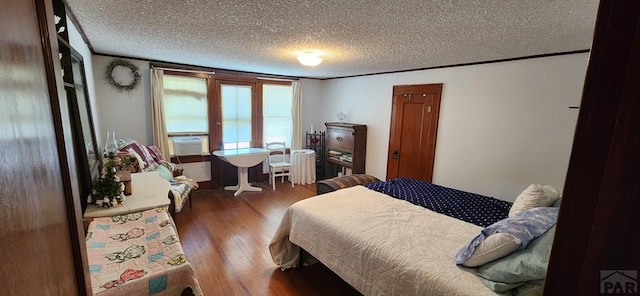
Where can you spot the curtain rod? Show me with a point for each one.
(276, 79)
(184, 70)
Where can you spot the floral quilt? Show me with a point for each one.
(138, 254)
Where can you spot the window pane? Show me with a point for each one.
(185, 104)
(236, 145)
(276, 113)
(185, 110)
(236, 115)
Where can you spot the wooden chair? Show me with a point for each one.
(278, 166)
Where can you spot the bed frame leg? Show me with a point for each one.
(187, 292)
(301, 258)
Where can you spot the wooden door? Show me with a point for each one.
(41, 235)
(414, 122)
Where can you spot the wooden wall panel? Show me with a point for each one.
(598, 224)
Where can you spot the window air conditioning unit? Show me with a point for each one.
(187, 146)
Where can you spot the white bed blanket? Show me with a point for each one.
(378, 244)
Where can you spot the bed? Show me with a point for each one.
(138, 254)
(382, 244)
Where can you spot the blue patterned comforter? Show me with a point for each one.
(470, 207)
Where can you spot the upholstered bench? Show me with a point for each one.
(137, 157)
(336, 183)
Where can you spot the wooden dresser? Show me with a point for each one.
(346, 146)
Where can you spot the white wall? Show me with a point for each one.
(502, 125)
(311, 105)
(126, 113)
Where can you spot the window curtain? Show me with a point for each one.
(157, 116)
(297, 140)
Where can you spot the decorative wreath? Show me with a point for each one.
(118, 84)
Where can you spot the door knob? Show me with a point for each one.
(395, 154)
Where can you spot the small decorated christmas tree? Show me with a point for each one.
(107, 191)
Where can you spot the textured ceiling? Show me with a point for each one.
(357, 37)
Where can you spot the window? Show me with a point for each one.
(276, 113)
(186, 117)
(242, 115)
(236, 115)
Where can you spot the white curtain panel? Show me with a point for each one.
(157, 115)
(297, 140)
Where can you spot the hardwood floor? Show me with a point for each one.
(226, 240)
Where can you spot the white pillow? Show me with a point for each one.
(534, 196)
(493, 247)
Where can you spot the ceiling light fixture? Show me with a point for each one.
(310, 58)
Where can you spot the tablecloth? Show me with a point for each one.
(304, 166)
